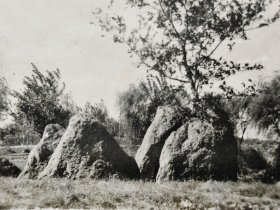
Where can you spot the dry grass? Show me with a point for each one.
(116, 194)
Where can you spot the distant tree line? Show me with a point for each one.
(261, 110)
(44, 102)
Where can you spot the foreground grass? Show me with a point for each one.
(62, 193)
(116, 194)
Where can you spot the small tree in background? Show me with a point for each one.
(237, 108)
(4, 101)
(67, 103)
(39, 101)
(264, 109)
(138, 105)
(134, 112)
(178, 39)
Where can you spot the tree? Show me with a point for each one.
(178, 39)
(39, 101)
(67, 103)
(264, 109)
(237, 108)
(139, 103)
(4, 101)
(135, 115)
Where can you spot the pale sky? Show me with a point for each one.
(58, 34)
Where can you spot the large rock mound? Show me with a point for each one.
(8, 169)
(259, 161)
(39, 156)
(165, 122)
(199, 150)
(87, 150)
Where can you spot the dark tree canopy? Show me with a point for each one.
(178, 39)
(39, 101)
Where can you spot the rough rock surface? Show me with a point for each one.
(8, 169)
(87, 150)
(259, 161)
(199, 150)
(39, 156)
(147, 157)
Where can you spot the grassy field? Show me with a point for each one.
(116, 194)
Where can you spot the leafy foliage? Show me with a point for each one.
(67, 103)
(261, 110)
(264, 110)
(178, 39)
(39, 101)
(237, 108)
(138, 105)
(19, 133)
(134, 116)
(4, 101)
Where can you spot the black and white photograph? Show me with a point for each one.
(140, 104)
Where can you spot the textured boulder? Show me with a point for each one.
(8, 169)
(39, 156)
(87, 150)
(199, 150)
(259, 161)
(166, 120)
